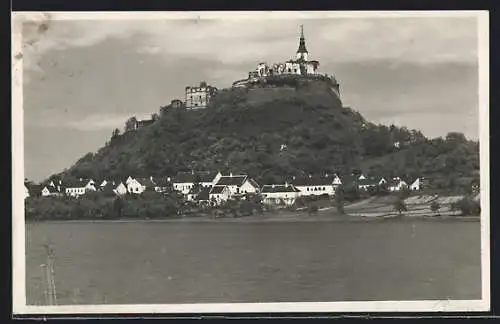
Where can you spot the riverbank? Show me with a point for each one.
(277, 218)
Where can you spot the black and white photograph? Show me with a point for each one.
(226, 162)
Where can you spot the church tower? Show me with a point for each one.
(302, 51)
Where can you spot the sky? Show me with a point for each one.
(82, 78)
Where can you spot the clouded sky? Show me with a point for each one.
(83, 78)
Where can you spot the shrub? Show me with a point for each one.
(435, 207)
(400, 206)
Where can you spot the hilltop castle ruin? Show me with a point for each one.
(300, 67)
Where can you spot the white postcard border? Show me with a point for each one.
(18, 224)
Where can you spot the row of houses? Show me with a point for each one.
(218, 187)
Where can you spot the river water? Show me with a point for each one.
(176, 262)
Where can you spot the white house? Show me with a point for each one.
(249, 186)
(50, 191)
(381, 181)
(79, 187)
(362, 177)
(121, 189)
(139, 185)
(279, 194)
(397, 184)
(416, 185)
(219, 194)
(129, 179)
(26, 192)
(336, 181)
(316, 186)
(234, 184)
(184, 181)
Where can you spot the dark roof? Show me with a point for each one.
(253, 183)
(231, 181)
(313, 181)
(74, 183)
(302, 43)
(368, 182)
(217, 189)
(278, 188)
(146, 182)
(394, 182)
(162, 182)
(190, 177)
(51, 189)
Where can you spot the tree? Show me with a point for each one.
(400, 206)
(130, 124)
(339, 199)
(115, 134)
(435, 206)
(405, 192)
(468, 207)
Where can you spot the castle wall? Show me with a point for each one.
(198, 97)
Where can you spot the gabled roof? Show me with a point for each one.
(368, 182)
(313, 181)
(190, 177)
(253, 182)
(349, 180)
(51, 189)
(145, 182)
(162, 182)
(278, 188)
(74, 183)
(203, 194)
(395, 182)
(217, 189)
(231, 181)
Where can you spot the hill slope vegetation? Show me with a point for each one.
(274, 132)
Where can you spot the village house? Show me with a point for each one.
(219, 194)
(120, 189)
(238, 185)
(416, 185)
(396, 184)
(199, 194)
(367, 183)
(279, 194)
(139, 185)
(78, 187)
(50, 191)
(184, 181)
(26, 191)
(317, 186)
(162, 184)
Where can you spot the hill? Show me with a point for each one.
(274, 131)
